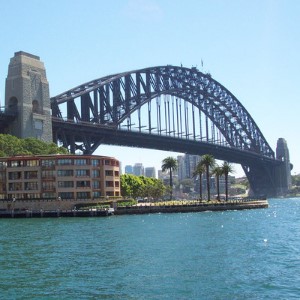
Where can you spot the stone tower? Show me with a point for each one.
(27, 92)
(282, 153)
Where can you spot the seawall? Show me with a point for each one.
(65, 208)
(221, 206)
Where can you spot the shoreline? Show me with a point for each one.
(134, 210)
(199, 207)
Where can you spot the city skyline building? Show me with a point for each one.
(150, 172)
(128, 169)
(138, 169)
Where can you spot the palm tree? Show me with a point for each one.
(208, 161)
(226, 168)
(200, 169)
(169, 163)
(218, 171)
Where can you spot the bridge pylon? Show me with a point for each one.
(27, 93)
(283, 174)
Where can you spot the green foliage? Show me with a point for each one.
(126, 203)
(170, 163)
(187, 185)
(226, 169)
(208, 161)
(12, 146)
(141, 186)
(131, 185)
(296, 180)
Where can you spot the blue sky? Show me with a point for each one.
(250, 47)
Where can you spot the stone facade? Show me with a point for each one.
(27, 91)
(285, 178)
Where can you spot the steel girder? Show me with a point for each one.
(95, 112)
(112, 99)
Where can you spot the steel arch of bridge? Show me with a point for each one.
(101, 111)
(112, 99)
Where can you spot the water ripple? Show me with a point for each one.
(251, 254)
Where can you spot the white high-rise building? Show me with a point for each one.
(138, 169)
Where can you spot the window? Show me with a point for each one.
(83, 195)
(3, 164)
(109, 183)
(35, 106)
(16, 163)
(82, 184)
(48, 162)
(48, 185)
(32, 163)
(15, 186)
(31, 186)
(96, 173)
(14, 175)
(80, 162)
(109, 173)
(95, 162)
(117, 173)
(48, 174)
(82, 173)
(33, 196)
(96, 184)
(48, 196)
(117, 183)
(61, 173)
(65, 161)
(66, 184)
(96, 194)
(66, 195)
(2, 176)
(30, 174)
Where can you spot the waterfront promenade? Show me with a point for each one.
(145, 208)
(193, 207)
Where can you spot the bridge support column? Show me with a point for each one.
(27, 91)
(271, 179)
(283, 172)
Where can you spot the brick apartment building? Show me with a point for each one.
(62, 177)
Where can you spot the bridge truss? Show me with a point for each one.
(168, 108)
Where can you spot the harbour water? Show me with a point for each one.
(250, 254)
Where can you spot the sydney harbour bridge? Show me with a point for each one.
(171, 108)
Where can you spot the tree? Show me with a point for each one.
(186, 184)
(169, 163)
(38, 147)
(11, 146)
(141, 186)
(131, 185)
(226, 169)
(217, 171)
(153, 188)
(199, 171)
(296, 180)
(208, 161)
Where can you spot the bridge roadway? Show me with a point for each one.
(260, 170)
(112, 135)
